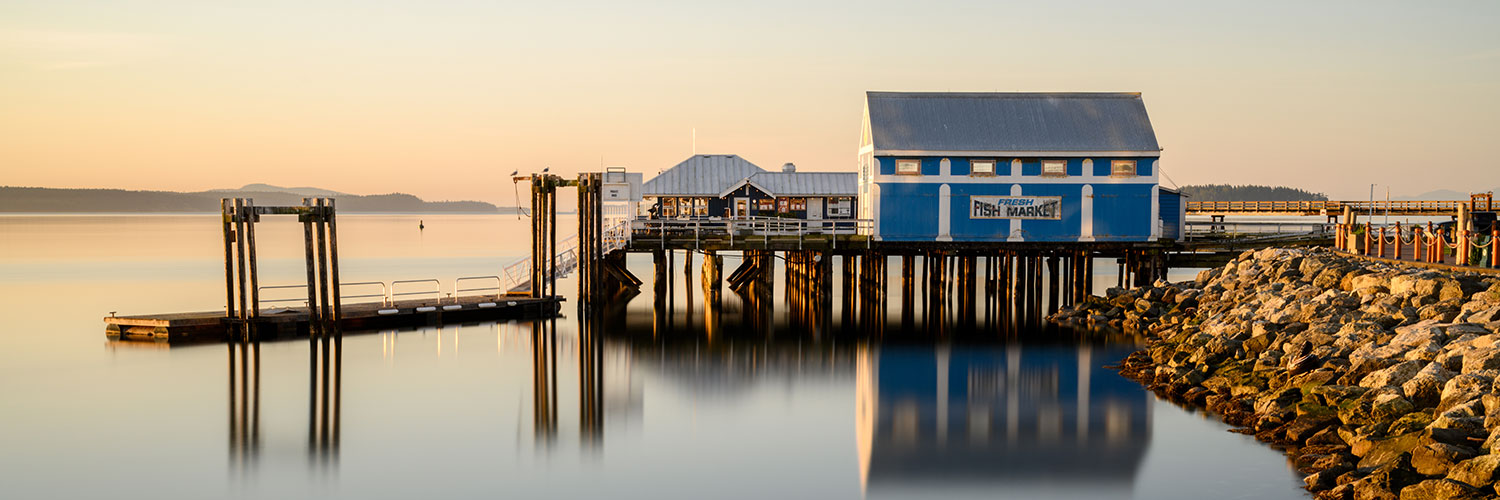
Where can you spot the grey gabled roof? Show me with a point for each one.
(701, 175)
(1009, 122)
(781, 184)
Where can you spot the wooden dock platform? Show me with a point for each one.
(212, 326)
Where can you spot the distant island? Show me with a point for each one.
(41, 200)
(1226, 192)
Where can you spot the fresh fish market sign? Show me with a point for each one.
(1015, 207)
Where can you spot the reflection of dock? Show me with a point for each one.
(1034, 414)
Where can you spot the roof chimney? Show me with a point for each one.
(789, 168)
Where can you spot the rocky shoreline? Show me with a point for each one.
(1380, 381)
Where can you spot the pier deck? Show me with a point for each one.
(288, 322)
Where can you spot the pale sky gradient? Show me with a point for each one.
(443, 99)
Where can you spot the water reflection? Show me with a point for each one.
(324, 379)
(244, 404)
(1009, 414)
(956, 389)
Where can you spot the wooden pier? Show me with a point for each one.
(293, 322)
(324, 314)
(1401, 208)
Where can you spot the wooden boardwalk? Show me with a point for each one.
(210, 326)
(1328, 208)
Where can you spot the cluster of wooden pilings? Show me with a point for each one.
(939, 289)
(242, 274)
(1461, 246)
(543, 234)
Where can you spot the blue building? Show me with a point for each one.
(1049, 167)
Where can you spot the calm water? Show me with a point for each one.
(742, 404)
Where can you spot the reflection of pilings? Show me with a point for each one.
(1053, 274)
(591, 383)
(244, 402)
(543, 381)
(659, 277)
(325, 357)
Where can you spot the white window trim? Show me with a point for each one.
(1064, 172)
(974, 173)
(918, 171)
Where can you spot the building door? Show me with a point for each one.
(814, 208)
(741, 207)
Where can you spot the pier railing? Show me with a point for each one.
(1214, 229)
(1332, 208)
(750, 229)
(517, 275)
(1430, 244)
(392, 291)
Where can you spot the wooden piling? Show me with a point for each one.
(313, 322)
(229, 237)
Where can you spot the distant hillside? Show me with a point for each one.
(1443, 194)
(29, 199)
(1225, 192)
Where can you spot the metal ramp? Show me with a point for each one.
(517, 275)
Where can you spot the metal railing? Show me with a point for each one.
(1397, 207)
(389, 294)
(517, 275)
(458, 290)
(263, 300)
(1218, 229)
(385, 292)
(749, 228)
(437, 289)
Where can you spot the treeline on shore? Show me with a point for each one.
(1249, 192)
(42, 200)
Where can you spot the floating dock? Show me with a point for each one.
(213, 326)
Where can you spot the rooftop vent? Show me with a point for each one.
(789, 168)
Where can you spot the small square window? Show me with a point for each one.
(982, 167)
(1055, 168)
(908, 167)
(1122, 168)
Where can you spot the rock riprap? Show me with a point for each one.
(1379, 380)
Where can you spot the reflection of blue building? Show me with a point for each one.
(1077, 167)
(1014, 414)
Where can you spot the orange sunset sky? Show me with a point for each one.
(443, 99)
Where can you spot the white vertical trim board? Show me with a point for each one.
(1086, 214)
(945, 209)
(1015, 224)
(1155, 212)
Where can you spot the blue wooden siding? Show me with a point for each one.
(1170, 207)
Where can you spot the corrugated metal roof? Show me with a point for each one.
(701, 175)
(1010, 121)
(805, 183)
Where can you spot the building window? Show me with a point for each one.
(1122, 168)
(782, 205)
(799, 204)
(908, 167)
(765, 205)
(1054, 168)
(700, 207)
(982, 167)
(668, 207)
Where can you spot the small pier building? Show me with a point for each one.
(727, 186)
(1019, 167)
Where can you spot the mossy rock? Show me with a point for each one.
(1311, 409)
(1411, 422)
